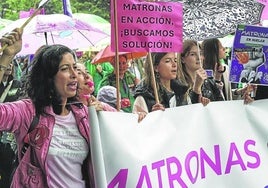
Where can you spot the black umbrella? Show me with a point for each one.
(204, 19)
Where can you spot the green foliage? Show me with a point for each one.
(97, 7)
(9, 9)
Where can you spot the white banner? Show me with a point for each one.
(222, 145)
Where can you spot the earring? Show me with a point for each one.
(51, 93)
(157, 76)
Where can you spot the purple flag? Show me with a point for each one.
(67, 8)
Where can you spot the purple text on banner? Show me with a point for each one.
(148, 26)
(250, 55)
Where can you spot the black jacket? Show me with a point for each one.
(262, 92)
(211, 91)
(14, 91)
(179, 91)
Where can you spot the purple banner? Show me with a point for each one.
(250, 55)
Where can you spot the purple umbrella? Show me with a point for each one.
(56, 29)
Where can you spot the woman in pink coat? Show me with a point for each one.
(59, 145)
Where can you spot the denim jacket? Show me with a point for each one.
(17, 117)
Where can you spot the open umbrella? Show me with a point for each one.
(227, 41)
(100, 45)
(94, 21)
(265, 23)
(55, 29)
(4, 23)
(106, 55)
(215, 18)
(264, 15)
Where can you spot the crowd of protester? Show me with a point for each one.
(58, 89)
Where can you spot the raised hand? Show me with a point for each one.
(201, 75)
(13, 41)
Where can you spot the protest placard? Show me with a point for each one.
(249, 56)
(148, 26)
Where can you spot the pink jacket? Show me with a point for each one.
(17, 117)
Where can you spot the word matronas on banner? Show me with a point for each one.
(148, 26)
(189, 146)
(250, 55)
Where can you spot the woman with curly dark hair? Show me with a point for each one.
(59, 148)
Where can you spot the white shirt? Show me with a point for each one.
(67, 151)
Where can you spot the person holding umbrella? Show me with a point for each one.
(59, 146)
(9, 91)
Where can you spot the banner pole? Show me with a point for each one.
(116, 57)
(153, 78)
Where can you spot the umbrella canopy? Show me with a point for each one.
(55, 29)
(100, 45)
(227, 41)
(264, 15)
(214, 18)
(4, 23)
(106, 55)
(95, 21)
(265, 23)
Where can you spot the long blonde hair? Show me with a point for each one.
(187, 46)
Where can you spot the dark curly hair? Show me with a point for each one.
(40, 85)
